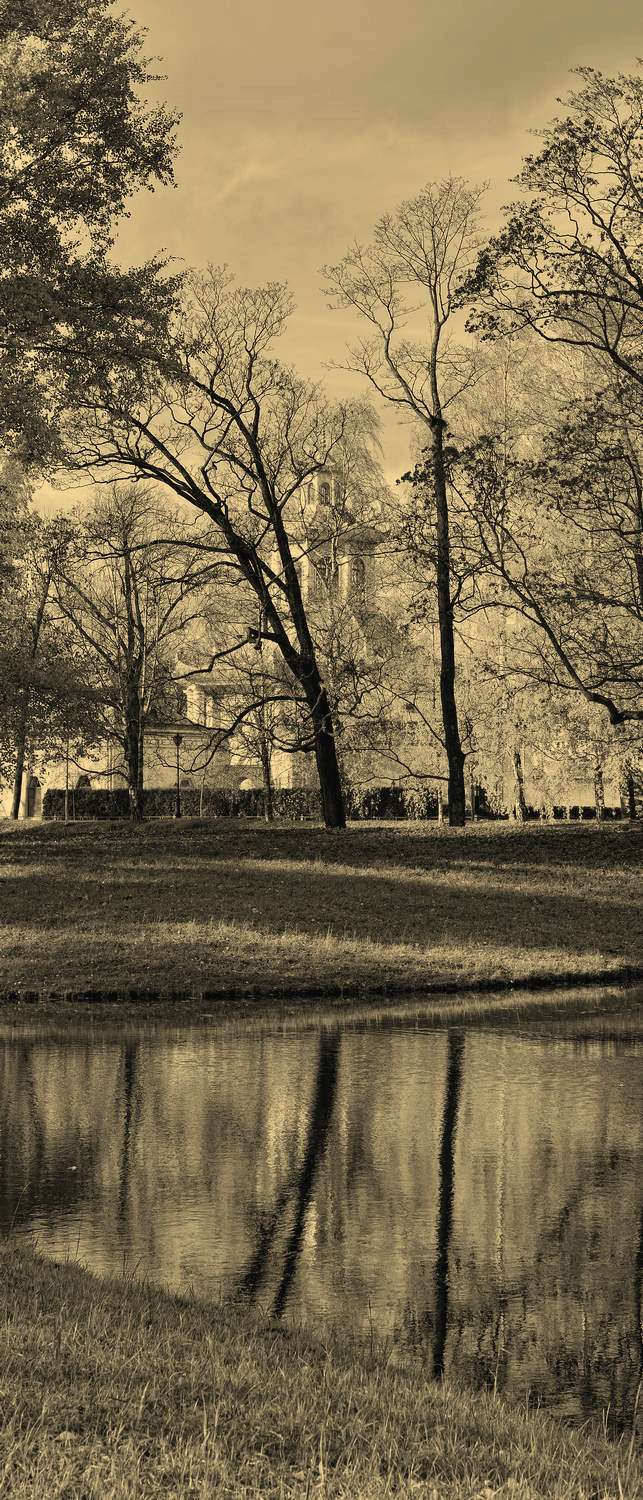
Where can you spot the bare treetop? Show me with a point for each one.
(410, 277)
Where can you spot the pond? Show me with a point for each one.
(471, 1191)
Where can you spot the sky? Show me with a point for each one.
(303, 123)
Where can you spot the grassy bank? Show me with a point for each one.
(225, 907)
(116, 1390)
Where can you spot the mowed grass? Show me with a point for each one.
(223, 907)
(115, 1390)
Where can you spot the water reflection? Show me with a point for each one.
(471, 1191)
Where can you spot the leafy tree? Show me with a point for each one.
(46, 700)
(568, 262)
(412, 270)
(76, 140)
(559, 541)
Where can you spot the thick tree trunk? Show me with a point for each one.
(330, 781)
(455, 757)
(599, 791)
(132, 748)
(266, 776)
(520, 804)
(21, 752)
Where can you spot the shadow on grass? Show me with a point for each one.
(423, 845)
(411, 908)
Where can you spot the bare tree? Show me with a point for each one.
(234, 433)
(410, 274)
(131, 592)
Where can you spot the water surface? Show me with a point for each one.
(472, 1191)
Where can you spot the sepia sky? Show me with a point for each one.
(302, 123)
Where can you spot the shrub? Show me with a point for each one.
(86, 803)
(296, 804)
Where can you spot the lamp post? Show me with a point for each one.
(178, 740)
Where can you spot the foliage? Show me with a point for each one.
(291, 803)
(47, 697)
(568, 262)
(76, 140)
(558, 553)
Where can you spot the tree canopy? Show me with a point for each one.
(77, 138)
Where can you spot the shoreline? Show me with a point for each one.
(251, 917)
(130, 1389)
(500, 1005)
(496, 998)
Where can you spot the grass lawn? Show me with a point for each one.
(225, 907)
(112, 1390)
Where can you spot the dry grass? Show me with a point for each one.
(222, 907)
(114, 1390)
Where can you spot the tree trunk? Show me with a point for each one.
(520, 805)
(599, 790)
(266, 775)
(132, 748)
(21, 752)
(445, 1198)
(141, 755)
(23, 719)
(321, 1114)
(330, 781)
(455, 757)
(266, 768)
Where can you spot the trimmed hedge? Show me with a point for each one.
(85, 803)
(293, 803)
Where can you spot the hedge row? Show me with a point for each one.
(293, 803)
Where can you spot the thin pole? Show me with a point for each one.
(67, 779)
(178, 740)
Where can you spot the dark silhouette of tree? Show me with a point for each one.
(455, 1049)
(298, 1189)
(130, 1068)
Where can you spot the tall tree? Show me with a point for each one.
(412, 271)
(76, 140)
(235, 433)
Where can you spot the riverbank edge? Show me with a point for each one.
(113, 1388)
(471, 1001)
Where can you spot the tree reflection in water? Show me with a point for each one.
(130, 1062)
(481, 1201)
(455, 1051)
(298, 1189)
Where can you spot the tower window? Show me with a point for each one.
(358, 581)
(324, 492)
